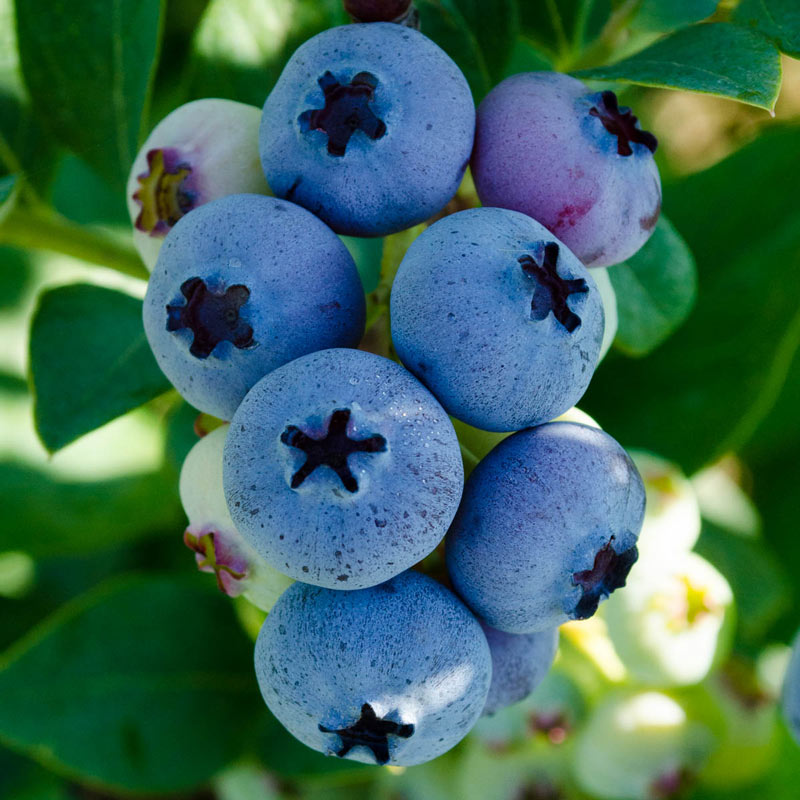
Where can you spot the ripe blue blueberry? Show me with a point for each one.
(519, 663)
(341, 469)
(547, 527)
(498, 319)
(199, 152)
(394, 674)
(791, 691)
(572, 159)
(244, 284)
(370, 126)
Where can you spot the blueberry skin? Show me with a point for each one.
(547, 527)
(790, 698)
(408, 649)
(464, 322)
(377, 185)
(304, 295)
(541, 150)
(383, 511)
(519, 663)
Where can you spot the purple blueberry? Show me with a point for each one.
(242, 285)
(370, 126)
(497, 318)
(341, 469)
(519, 663)
(394, 674)
(547, 527)
(571, 158)
(791, 691)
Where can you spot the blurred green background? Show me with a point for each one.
(123, 671)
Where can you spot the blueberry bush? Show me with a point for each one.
(285, 510)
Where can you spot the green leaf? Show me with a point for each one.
(526, 57)
(7, 186)
(241, 46)
(144, 684)
(777, 19)
(88, 66)
(442, 21)
(90, 361)
(495, 24)
(280, 752)
(706, 389)
(8, 195)
(719, 59)
(655, 290)
(658, 16)
(48, 517)
(561, 27)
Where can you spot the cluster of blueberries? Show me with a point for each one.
(339, 470)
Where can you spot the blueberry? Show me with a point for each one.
(341, 469)
(201, 151)
(791, 691)
(547, 527)
(218, 547)
(370, 126)
(497, 318)
(572, 159)
(519, 663)
(244, 284)
(394, 674)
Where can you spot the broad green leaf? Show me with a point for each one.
(719, 59)
(659, 16)
(495, 24)
(8, 195)
(562, 27)
(88, 66)
(779, 432)
(526, 57)
(7, 186)
(23, 779)
(777, 19)
(775, 494)
(144, 684)
(241, 46)
(47, 517)
(90, 361)
(442, 21)
(707, 388)
(759, 584)
(655, 290)
(280, 752)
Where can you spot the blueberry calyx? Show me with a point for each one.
(621, 123)
(332, 450)
(346, 111)
(210, 560)
(673, 783)
(608, 573)
(371, 732)
(162, 192)
(552, 290)
(212, 316)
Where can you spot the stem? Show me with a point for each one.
(606, 43)
(37, 229)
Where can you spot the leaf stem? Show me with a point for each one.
(36, 228)
(607, 42)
